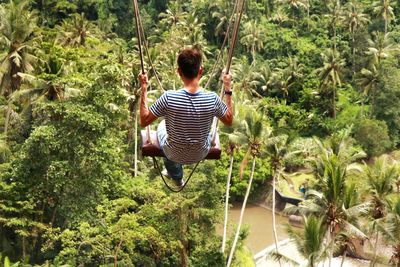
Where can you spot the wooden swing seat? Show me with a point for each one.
(152, 149)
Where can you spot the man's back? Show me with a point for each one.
(188, 119)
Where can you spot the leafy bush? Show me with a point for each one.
(373, 136)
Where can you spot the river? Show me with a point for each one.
(259, 221)
(261, 236)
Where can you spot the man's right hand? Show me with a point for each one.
(227, 79)
(144, 80)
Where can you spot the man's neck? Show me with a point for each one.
(192, 86)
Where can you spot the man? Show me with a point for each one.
(184, 135)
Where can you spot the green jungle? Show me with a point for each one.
(316, 93)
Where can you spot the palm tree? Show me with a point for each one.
(173, 15)
(277, 149)
(384, 9)
(262, 78)
(309, 242)
(74, 31)
(254, 132)
(235, 137)
(354, 21)
(221, 10)
(380, 178)
(48, 86)
(391, 230)
(245, 73)
(284, 79)
(330, 196)
(295, 5)
(335, 17)
(17, 37)
(368, 79)
(329, 74)
(279, 16)
(381, 47)
(253, 37)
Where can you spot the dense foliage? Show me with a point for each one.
(71, 189)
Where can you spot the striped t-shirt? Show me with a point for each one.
(188, 119)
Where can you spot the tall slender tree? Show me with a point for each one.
(329, 74)
(254, 132)
(354, 20)
(384, 9)
(380, 178)
(391, 230)
(18, 27)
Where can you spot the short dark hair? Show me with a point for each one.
(189, 62)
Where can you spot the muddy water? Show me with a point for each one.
(259, 221)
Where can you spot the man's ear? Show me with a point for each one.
(201, 69)
(179, 71)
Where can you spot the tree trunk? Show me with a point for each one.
(7, 120)
(334, 37)
(386, 26)
(308, 14)
(334, 102)
(344, 257)
(354, 53)
(332, 234)
(136, 145)
(241, 215)
(273, 214)
(228, 184)
(117, 249)
(375, 249)
(183, 231)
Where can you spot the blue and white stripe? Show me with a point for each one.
(188, 120)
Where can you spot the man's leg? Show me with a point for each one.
(175, 170)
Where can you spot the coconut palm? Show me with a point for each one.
(295, 5)
(253, 37)
(354, 19)
(262, 78)
(330, 196)
(221, 10)
(284, 79)
(245, 73)
(277, 147)
(335, 17)
(381, 47)
(173, 15)
(391, 230)
(380, 178)
(329, 74)
(254, 132)
(48, 86)
(279, 16)
(309, 242)
(75, 31)
(368, 79)
(17, 37)
(235, 137)
(384, 9)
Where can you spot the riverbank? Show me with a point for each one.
(258, 221)
(288, 248)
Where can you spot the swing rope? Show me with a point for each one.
(230, 56)
(142, 40)
(155, 162)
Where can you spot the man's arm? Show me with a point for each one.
(227, 119)
(146, 117)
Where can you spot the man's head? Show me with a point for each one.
(189, 63)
